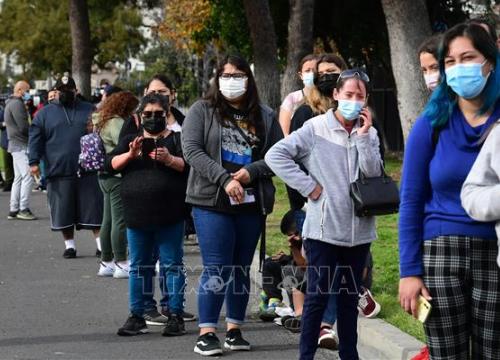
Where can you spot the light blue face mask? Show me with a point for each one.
(350, 109)
(26, 96)
(466, 80)
(308, 79)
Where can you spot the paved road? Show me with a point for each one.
(53, 308)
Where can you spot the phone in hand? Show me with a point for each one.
(148, 145)
(424, 308)
(249, 197)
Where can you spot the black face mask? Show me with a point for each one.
(326, 83)
(154, 125)
(66, 97)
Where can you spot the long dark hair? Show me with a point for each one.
(443, 99)
(250, 103)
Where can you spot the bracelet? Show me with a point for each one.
(172, 159)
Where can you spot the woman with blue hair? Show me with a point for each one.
(445, 255)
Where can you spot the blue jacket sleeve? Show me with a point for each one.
(414, 191)
(36, 141)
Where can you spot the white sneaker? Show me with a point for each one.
(328, 339)
(121, 271)
(106, 270)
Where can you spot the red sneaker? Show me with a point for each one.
(422, 355)
(367, 304)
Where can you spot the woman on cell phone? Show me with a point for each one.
(334, 148)
(154, 178)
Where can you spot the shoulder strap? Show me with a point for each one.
(242, 133)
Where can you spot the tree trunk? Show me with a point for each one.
(81, 64)
(265, 50)
(300, 42)
(408, 25)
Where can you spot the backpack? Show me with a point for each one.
(92, 153)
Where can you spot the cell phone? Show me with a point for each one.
(249, 197)
(424, 309)
(148, 145)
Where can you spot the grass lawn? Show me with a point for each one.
(385, 254)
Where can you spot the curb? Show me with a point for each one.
(377, 339)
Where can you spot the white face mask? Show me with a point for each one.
(232, 88)
(432, 80)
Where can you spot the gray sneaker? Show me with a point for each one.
(153, 317)
(25, 214)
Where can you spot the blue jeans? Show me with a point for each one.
(330, 315)
(339, 270)
(150, 302)
(227, 244)
(142, 241)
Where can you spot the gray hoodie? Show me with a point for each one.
(481, 190)
(17, 123)
(332, 158)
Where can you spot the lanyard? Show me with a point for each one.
(70, 123)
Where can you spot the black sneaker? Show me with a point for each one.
(188, 316)
(26, 214)
(153, 317)
(12, 215)
(175, 326)
(135, 325)
(234, 341)
(208, 345)
(98, 253)
(69, 253)
(293, 324)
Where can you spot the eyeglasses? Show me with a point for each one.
(160, 92)
(156, 114)
(347, 74)
(234, 76)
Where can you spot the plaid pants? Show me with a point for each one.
(464, 281)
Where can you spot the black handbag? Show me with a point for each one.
(374, 196)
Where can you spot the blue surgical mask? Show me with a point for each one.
(308, 79)
(26, 96)
(466, 80)
(350, 109)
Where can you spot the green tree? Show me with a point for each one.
(37, 32)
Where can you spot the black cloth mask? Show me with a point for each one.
(154, 125)
(66, 97)
(326, 83)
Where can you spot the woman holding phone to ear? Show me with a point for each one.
(154, 178)
(225, 137)
(334, 148)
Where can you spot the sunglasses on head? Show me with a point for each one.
(156, 114)
(353, 73)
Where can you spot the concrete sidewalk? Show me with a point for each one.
(377, 340)
(53, 308)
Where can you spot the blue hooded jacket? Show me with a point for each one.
(54, 135)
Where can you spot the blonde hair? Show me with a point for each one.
(319, 103)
